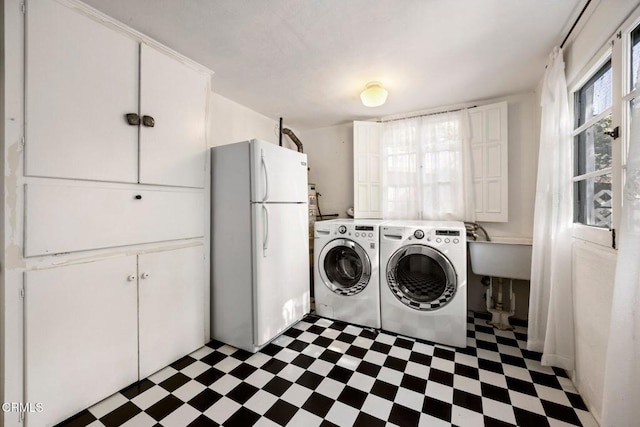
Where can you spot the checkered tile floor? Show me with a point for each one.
(322, 372)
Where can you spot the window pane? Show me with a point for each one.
(595, 96)
(635, 56)
(592, 148)
(592, 201)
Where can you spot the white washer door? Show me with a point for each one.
(345, 267)
(421, 277)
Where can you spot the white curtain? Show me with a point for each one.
(621, 400)
(551, 298)
(426, 168)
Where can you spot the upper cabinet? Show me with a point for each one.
(174, 96)
(83, 79)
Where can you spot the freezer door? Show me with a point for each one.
(281, 268)
(278, 174)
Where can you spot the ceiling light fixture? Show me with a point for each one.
(374, 95)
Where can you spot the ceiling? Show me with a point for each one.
(308, 60)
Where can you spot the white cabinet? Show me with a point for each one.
(71, 217)
(367, 169)
(489, 154)
(81, 339)
(172, 152)
(83, 79)
(95, 322)
(91, 329)
(171, 306)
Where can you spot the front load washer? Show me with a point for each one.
(423, 280)
(346, 271)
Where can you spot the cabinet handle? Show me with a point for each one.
(144, 275)
(138, 197)
(131, 277)
(133, 119)
(148, 121)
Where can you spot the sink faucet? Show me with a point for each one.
(473, 228)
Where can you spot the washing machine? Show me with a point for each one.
(346, 271)
(423, 280)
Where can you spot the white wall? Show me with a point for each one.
(593, 33)
(232, 122)
(330, 152)
(593, 275)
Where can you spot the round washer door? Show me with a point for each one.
(344, 266)
(421, 277)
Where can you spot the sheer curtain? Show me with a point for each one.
(426, 168)
(621, 400)
(551, 298)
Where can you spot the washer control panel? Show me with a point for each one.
(361, 232)
(437, 236)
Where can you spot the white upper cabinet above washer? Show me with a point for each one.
(82, 80)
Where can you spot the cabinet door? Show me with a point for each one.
(172, 152)
(80, 335)
(82, 79)
(67, 218)
(171, 306)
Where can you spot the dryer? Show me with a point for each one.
(346, 271)
(423, 280)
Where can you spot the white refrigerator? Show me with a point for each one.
(259, 242)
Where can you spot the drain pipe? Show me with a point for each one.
(293, 137)
(280, 133)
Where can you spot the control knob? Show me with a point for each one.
(342, 229)
(418, 234)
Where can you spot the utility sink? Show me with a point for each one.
(506, 257)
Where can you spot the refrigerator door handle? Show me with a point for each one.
(265, 239)
(266, 176)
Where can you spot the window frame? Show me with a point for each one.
(618, 50)
(597, 235)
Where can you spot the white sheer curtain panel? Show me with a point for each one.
(621, 399)
(551, 328)
(426, 168)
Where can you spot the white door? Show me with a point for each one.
(81, 336)
(82, 81)
(278, 174)
(281, 268)
(171, 306)
(172, 151)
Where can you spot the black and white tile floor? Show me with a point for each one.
(322, 372)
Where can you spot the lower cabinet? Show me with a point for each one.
(93, 328)
(171, 308)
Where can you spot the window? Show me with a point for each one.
(423, 167)
(602, 103)
(630, 91)
(592, 162)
